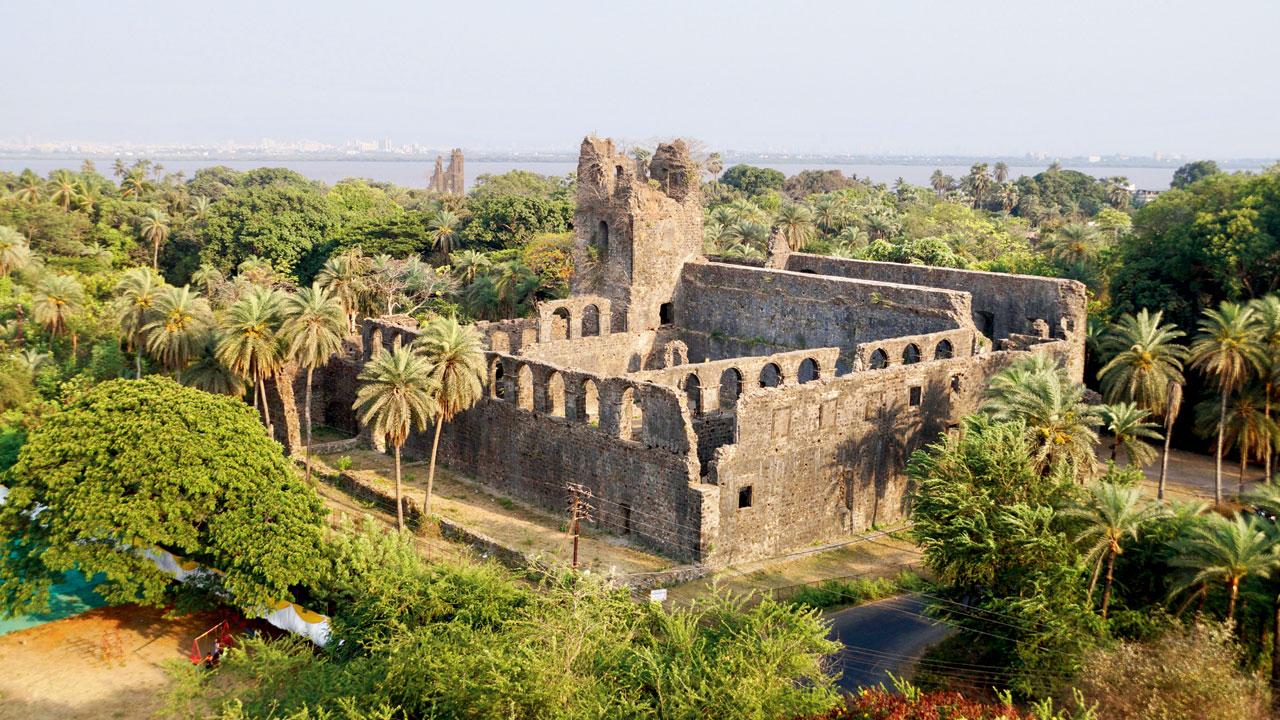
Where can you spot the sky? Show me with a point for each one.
(1062, 77)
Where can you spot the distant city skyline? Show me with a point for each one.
(911, 78)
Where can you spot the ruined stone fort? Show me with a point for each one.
(451, 181)
(723, 411)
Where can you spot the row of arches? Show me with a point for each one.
(731, 383)
(879, 359)
(580, 402)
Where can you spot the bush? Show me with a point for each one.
(1190, 672)
(854, 591)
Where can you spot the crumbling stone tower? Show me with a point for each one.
(634, 234)
(452, 181)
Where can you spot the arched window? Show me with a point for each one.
(630, 416)
(693, 393)
(879, 359)
(602, 239)
(590, 402)
(590, 321)
(555, 395)
(730, 388)
(560, 324)
(770, 375)
(808, 371)
(497, 383)
(911, 354)
(524, 388)
(943, 350)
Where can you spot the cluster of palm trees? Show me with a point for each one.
(840, 223)
(431, 380)
(1237, 348)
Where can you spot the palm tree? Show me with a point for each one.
(32, 359)
(136, 295)
(312, 333)
(979, 183)
(467, 264)
(1112, 513)
(1144, 359)
(456, 356)
(1225, 550)
(1008, 195)
(250, 345)
(1001, 172)
(398, 393)
(796, 223)
(64, 189)
(1173, 405)
(1060, 425)
(1073, 244)
(154, 228)
(442, 228)
(344, 276)
(1227, 349)
(15, 254)
(940, 182)
(1267, 310)
(208, 278)
(1118, 192)
(134, 184)
(1128, 425)
(29, 188)
(58, 299)
(1245, 426)
(118, 168)
(207, 374)
(200, 206)
(179, 322)
(514, 282)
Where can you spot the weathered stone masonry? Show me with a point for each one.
(724, 412)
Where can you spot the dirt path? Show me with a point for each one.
(105, 663)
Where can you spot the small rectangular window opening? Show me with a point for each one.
(914, 396)
(744, 497)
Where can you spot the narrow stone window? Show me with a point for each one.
(626, 519)
(913, 396)
(943, 350)
(879, 360)
(808, 371)
(602, 239)
(744, 497)
(730, 388)
(497, 384)
(666, 314)
(955, 383)
(910, 354)
(770, 376)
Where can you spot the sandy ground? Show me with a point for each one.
(511, 522)
(106, 663)
(1191, 476)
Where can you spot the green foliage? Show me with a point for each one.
(854, 591)
(506, 221)
(133, 464)
(1193, 172)
(439, 639)
(753, 180)
(522, 183)
(272, 216)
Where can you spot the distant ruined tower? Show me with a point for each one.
(452, 181)
(634, 234)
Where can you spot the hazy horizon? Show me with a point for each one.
(911, 78)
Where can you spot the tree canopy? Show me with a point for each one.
(137, 464)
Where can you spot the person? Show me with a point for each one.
(217, 652)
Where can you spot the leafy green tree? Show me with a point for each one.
(1112, 513)
(136, 295)
(1226, 349)
(177, 327)
(1193, 172)
(274, 215)
(753, 180)
(397, 394)
(134, 465)
(312, 333)
(1267, 312)
(1128, 426)
(1145, 358)
(1224, 550)
(467, 264)
(455, 356)
(506, 221)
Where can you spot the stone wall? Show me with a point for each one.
(1002, 304)
(798, 310)
(825, 459)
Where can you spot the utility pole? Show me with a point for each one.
(579, 509)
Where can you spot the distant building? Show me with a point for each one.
(451, 181)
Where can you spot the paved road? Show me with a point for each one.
(881, 637)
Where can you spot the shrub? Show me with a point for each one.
(343, 464)
(854, 591)
(1189, 672)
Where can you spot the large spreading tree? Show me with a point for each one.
(134, 465)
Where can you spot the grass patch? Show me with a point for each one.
(855, 591)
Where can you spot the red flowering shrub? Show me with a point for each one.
(880, 704)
